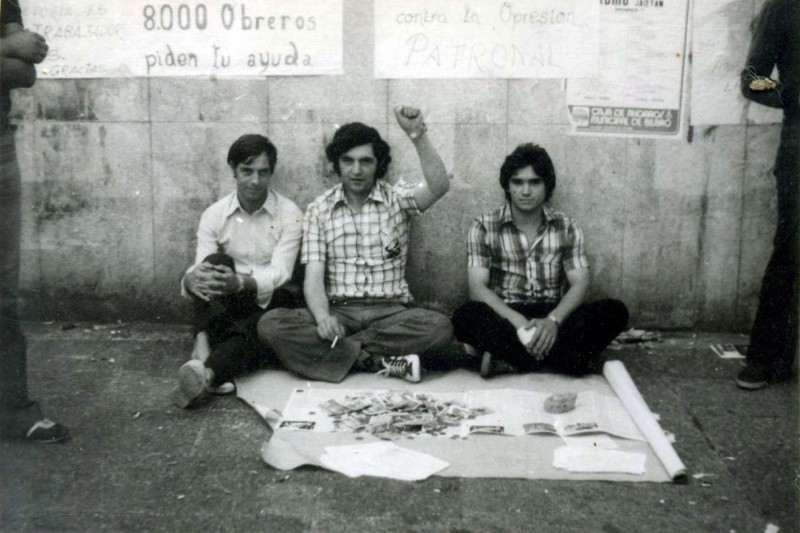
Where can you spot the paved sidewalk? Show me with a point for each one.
(136, 463)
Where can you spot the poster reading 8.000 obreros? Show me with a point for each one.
(116, 38)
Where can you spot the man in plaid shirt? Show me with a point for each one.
(355, 245)
(528, 276)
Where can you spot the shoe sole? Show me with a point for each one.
(486, 365)
(55, 440)
(191, 384)
(223, 390)
(749, 385)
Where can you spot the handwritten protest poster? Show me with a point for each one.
(638, 91)
(486, 38)
(115, 38)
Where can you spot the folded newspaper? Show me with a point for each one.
(391, 414)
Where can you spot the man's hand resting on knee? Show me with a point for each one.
(543, 337)
(208, 281)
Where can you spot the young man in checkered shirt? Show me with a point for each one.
(355, 245)
(528, 276)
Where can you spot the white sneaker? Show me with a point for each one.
(404, 366)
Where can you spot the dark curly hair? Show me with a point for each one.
(529, 155)
(357, 134)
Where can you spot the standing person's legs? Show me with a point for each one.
(773, 339)
(19, 416)
(585, 334)
(17, 411)
(13, 373)
(10, 213)
(774, 336)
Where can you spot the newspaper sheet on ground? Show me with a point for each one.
(390, 414)
(474, 455)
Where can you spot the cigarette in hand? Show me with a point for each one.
(335, 340)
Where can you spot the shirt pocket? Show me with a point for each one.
(393, 242)
(548, 269)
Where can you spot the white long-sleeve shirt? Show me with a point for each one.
(263, 244)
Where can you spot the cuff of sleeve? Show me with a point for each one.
(264, 290)
(478, 263)
(184, 292)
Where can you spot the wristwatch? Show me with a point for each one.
(554, 319)
(416, 134)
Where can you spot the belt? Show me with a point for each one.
(366, 301)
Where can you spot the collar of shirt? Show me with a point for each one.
(377, 194)
(270, 205)
(506, 218)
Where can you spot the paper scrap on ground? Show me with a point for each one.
(284, 456)
(638, 335)
(588, 459)
(381, 459)
(729, 351)
(511, 412)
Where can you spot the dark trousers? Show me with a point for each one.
(773, 339)
(17, 411)
(581, 338)
(230, 323)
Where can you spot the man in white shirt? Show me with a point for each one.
(247, 244)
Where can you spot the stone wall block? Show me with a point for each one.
(537, 101)
(452, 101)
(208, 100)
(102, 100)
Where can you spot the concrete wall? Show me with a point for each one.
(117, 172)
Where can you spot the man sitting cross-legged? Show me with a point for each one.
(247, 244)
(521, 258)
(355, 244)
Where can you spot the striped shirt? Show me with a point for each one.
(364, 252)
(526, 272)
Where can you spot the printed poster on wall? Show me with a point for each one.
(638, 91)
(486, 38)
(141, 38)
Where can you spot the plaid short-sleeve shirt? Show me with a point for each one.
(364, 252)
(520, 271)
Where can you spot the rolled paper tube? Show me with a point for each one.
(623, 385)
